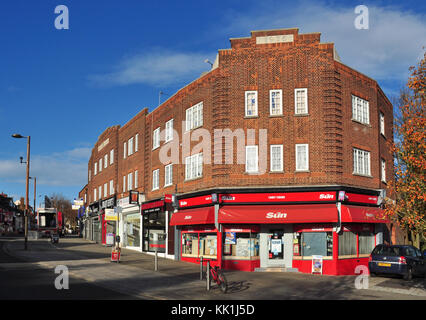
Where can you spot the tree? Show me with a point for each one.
(64, 205)
(409, 187)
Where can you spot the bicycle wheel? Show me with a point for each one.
(222, 282)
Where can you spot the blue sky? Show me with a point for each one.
(64, 87)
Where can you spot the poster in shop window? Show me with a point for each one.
(276, 246)
(317, 264)
(230, 238)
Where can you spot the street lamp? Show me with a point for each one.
(18, 136)
(35, 188)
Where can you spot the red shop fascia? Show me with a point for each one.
(209, 220)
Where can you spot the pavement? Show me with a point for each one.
(134, 277)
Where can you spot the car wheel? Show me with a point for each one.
(408, 275)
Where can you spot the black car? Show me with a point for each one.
(404, 260)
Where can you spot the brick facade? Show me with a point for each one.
(261, 63)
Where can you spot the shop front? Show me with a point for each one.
(286, 230)
(130, 221)
(94, 220)
(108, 227)
(155, 217)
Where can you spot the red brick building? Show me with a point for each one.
(304, 177)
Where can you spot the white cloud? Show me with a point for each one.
(386, 50)
(156, 67)
(68, 168)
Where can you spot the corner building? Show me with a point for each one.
(306, 173)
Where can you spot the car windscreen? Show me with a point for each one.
(386, 251)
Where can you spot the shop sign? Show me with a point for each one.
(133, 197)
(195, 201)
(111, 215)
(278, 197)
(317, 263)
(362, 198)
(156, 206)
(230, 238)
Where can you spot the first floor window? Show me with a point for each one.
(100, 192)
(168, 175)
(124, 150)
(383, 170)
(111, 187)
(156, 138)
(100, 164)
(169, 130)
(136, 179)
(105, 190)
(130, 146)
(95, 170)
(302, 157)
(136, 142)
(361, 162)
(94, 195)
(360, 110)
(130, 181)
(194, 116)
(105, 160)
(194, 166)
(111, 156)
(156, 179)
(382, 123)
(252, 159)
(124, 183)
(277, 157)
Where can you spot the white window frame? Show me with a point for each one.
(111, 187)
(168, 175)
(194, 166)
(136, 142)
(136, 179)
(125, 150)
(280, 102)
(256, 104)
(94, 194)
(95, 169)
(111, 156)
(130, 181)
(156, 179)
(361, 162)
(298, 165)
(281, 164)
(194, 117)
(305, 96)
(169, 130)
(383, 170)
(100, 192)
(360, 110)
(100, 165)
(382, 123)
(105, 160)
(124, 183)
(105, 190)
(156, 138)
(130, 146)
(255, 168)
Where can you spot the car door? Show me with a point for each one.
(421, 262)
(410, 254)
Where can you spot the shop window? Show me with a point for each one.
(190, 245)
(307, 244)
(366, 243)
(347, 244)
(241, 246)
(208, 245)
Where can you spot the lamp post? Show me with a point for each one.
(35, 188)
(18, 136)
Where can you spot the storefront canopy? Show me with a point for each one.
(193, 216)
(362, 214)
(278, 214)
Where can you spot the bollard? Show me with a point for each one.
(208, 276)
(201, 268)
(156, 260)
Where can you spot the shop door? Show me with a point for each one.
(275, 248)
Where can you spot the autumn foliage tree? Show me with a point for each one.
(409, 186)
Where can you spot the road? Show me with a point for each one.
(30, 275)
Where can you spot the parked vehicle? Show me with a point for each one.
(404, 260)
(54, 238)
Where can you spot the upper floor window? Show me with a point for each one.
(361, 162)
(124, 183)
(302, 157)
(94, 194)
(251, 103)
(111, 156)
(277, 157)
(136, 179)
(382, 123)
(168, 175)
(252, 159)
(136, 142)
(130, 146)
(156, 139)
(105, 190)
(275, 102)
(169, 130)
(194, 166)
(100, 164)
(301, 101)
(95, 169)
(383, 170)
(105, 160)
(194, 116)
(360, 110)
(124, 150)
(100, 192)
(130, 181)
(156, 179)
(111, 187)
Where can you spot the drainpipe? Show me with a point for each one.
(339, 216)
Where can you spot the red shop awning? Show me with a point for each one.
(362, 214)
(278, 214)
(193, 216)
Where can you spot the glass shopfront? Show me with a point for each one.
(240, 245)
(132, 230)
(199, 244)
(154, 223)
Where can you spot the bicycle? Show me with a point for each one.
(217, 276)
